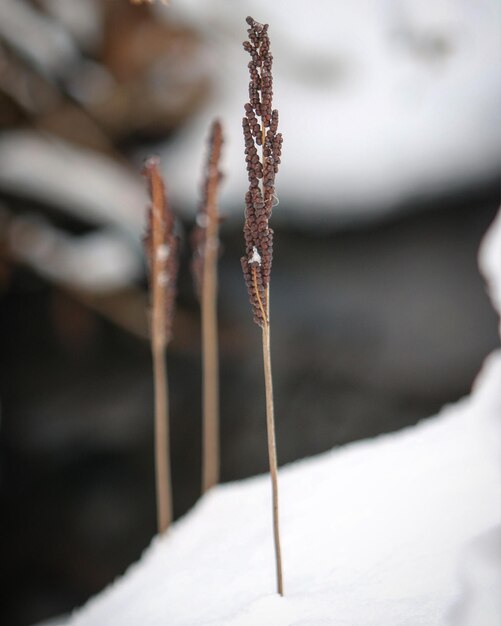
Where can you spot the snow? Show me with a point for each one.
(479, 604)
(75, 180)
(163, 279)
(163, 252)
(51, 252)
(381, 101)
(374, 529)
(490, 263)
(256, 257)
(376, 532)
(37, 38)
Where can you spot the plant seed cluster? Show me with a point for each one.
(260, 126)
(161, 246)
(207, 212)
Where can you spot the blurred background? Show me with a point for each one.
(390, 178)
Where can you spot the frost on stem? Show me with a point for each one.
(255, 258)
(260, 126)
(163, 252)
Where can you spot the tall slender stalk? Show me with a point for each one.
(272, 453)
(210, 437)
(162, 453)
(260, 126)
(161, 248)
(204, 267)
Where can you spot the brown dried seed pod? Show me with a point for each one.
(207, 217)
(161, 248)
(259, 115)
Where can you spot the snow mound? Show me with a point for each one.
(373, 533)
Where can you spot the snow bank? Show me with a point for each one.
(373, 533)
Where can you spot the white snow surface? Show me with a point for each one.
(380, 101)
(373, 533)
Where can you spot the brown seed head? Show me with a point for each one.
(204, 238)
(161, 250)
(263, 146)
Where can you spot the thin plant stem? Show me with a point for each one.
(205, 239)
(161, 247)
(270, 416)
(272, 452)
(210, 471)
(162, 455)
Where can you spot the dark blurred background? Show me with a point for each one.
(380, 317)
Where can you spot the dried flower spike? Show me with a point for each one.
(161, 250)
(263, 147)
(205, 234)
(205, 241)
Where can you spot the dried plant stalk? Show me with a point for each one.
(205, 242)
(260, 126)
(161, 249)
